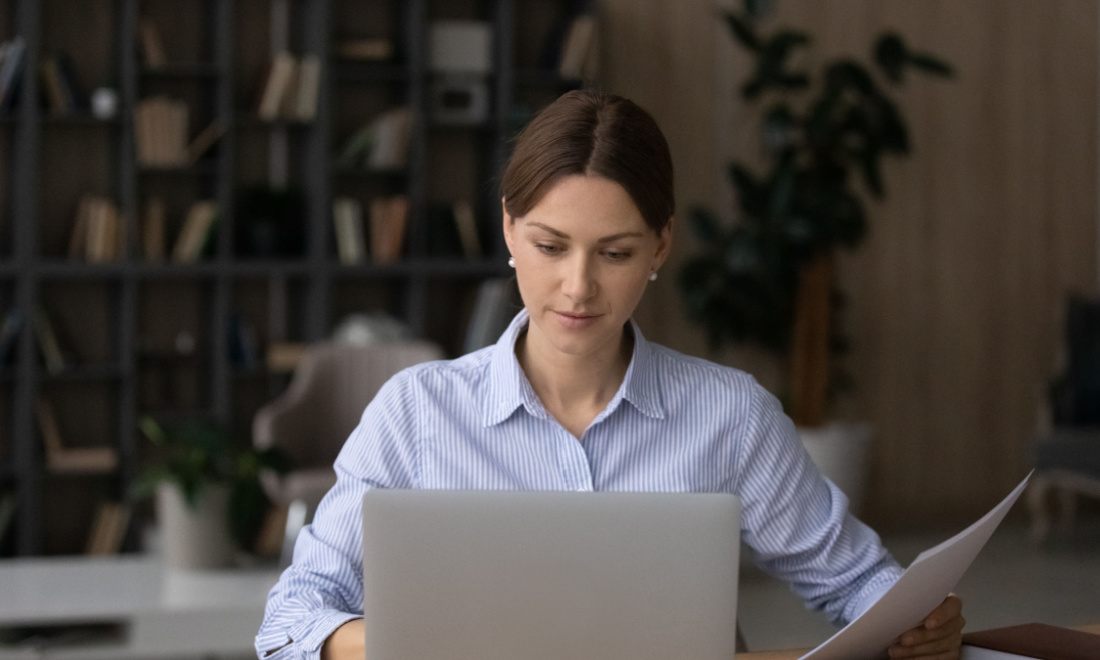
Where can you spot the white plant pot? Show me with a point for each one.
(195, 538)
(840, 450)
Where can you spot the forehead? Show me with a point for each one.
(587, 204)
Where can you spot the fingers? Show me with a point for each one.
(947, 646)
(950, 608)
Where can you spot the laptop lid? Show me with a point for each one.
(501, 575)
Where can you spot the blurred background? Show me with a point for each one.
(211, 210)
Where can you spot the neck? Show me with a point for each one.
(567, 382)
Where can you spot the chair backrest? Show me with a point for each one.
(1076, 395)
(331, 387)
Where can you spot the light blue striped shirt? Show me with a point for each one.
(676, 424)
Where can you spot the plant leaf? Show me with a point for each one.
(743, 32)
(891, 56)
(931, 64)
(705, 225)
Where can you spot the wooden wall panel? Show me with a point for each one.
(957, 297)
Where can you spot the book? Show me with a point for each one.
(56, 357)
(59, 458)
(347, 217)
(1032, 640)
(197, 231)
(10, 330)
(493, 311)
(285, 356)
(108, 529)
(206, 139)
(365, 49)
(53, 86)
(280, 79)
(466, 224)
(577, 46)
(152, 46)
(392, 131)
(308, 88)
(154, 219)
(103, 231)
(388, 217)
(11, 70)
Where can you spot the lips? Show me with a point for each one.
(576, 320)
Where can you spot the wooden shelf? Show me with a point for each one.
(182, 71)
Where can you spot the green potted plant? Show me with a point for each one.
(768, 278)
(210, 501)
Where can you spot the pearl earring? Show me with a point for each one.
(653, 276)
(512, 262)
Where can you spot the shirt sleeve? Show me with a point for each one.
(797, 522)
(323, 587)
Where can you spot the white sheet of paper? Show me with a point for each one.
(923, 586)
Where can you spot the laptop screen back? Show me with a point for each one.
(501, 575)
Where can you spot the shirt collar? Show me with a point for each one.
(510, 389)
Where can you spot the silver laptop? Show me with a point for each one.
(533, 575)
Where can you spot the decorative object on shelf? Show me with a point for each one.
(104, 103)
(209, 496)
(271, 222)
(768, 279)
(460, 47)
(368, 329)
(460, 100)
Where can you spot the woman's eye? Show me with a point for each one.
(547, 249)
(616, 255)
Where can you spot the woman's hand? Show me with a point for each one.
(346, 642)
(939, 637)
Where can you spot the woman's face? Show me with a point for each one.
(583, 257)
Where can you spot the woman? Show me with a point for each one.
(573, 397)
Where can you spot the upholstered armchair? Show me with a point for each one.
(331, 386)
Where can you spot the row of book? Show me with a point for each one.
(291, 90)
(99, 234)
(388, 218)
(161, 130)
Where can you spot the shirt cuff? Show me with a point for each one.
(310, 636)
(874, 590)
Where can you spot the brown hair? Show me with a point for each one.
(593, 134)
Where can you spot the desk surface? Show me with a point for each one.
(162, 613)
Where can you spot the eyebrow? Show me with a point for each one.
(605, 239)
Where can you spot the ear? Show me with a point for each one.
(509, 225)
(664, 244)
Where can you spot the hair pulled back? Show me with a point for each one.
(592, 134)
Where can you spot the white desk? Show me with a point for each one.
(161, 614)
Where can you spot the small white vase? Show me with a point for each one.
(840, 450)
(195, 538)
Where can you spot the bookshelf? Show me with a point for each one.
(141, 336)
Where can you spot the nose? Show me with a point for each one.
(579, 280)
